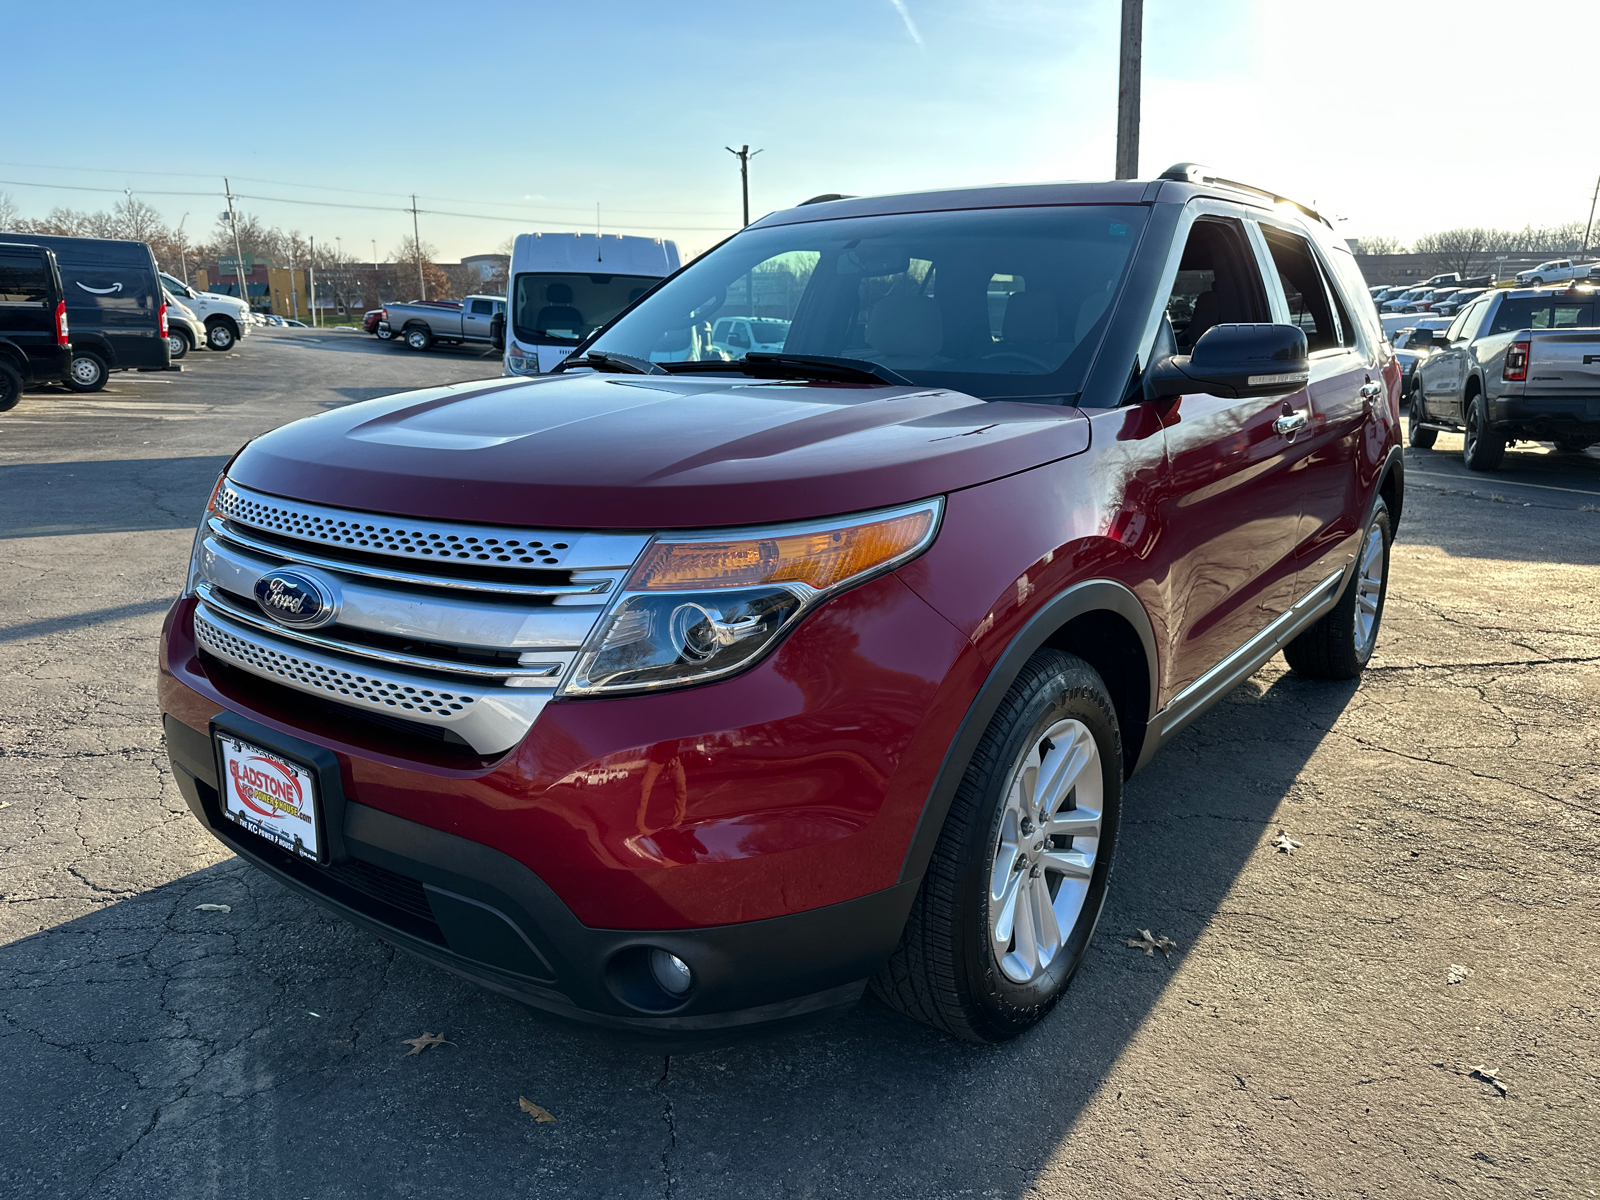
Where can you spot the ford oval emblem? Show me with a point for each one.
(297, 598)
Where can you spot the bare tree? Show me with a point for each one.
(1380, 244)
(9, 212)
(1464, 250)
(407, 255)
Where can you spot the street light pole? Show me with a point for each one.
(416, 245)
(744, 154)
(1128, 79)
(183, 253)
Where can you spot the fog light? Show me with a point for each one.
(671, 972)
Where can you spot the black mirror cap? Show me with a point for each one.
(497, 331)
(1235, 361)
(1421, 339)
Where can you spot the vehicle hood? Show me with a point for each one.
(595, 451)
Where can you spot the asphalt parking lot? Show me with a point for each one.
(1305, 1038)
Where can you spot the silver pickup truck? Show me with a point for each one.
(1515, 364)
(421, 325)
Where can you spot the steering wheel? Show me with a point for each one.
(1018, 356)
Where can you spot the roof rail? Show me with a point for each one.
(824, 198)
(1188, 172)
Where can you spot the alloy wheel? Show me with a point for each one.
(1369, 590)
(1044, 857)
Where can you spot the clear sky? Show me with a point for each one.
(1398, 117)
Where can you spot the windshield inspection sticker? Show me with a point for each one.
(270, 795)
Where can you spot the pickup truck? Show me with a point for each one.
(422, 324)
(1514, 364)
(1559, 270)
(226, 318)
(1454, 279)
(683, 693)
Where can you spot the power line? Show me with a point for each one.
(352, 191)
(398, 209)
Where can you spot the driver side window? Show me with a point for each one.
(1218, 282)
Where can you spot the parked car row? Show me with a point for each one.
(75, 310)
(1516, 364)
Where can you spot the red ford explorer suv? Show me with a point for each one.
(689, 689)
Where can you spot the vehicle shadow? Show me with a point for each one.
(124, 495)
(175, 1051)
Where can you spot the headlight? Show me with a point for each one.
(522, 362)
(702, 606)
(201, 531)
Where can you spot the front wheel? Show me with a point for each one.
(1483, 448)
(1573, 445)
(1018, 878)
(87, 373)
(1341, 643)
(220, 336)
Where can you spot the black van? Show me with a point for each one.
(33, 321)
(115, 306)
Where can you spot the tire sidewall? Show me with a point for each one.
(1384, 520)
(10, 387)
(1072, 691)
(229, 339)
(72, 378)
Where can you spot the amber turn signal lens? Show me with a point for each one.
(822, 559)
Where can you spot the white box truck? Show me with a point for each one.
(565, 285)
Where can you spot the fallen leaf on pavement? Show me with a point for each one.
(213, 908)
(1285, 843)
(1149, 943)
(541, 1115)
(419, 1044)
(1458, 973)
(1489, 1075)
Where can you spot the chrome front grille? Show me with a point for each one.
(444, 624)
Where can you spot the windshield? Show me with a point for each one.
(563, 309)
(995, 303)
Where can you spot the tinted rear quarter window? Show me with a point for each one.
(1541, 312)
(23, 279)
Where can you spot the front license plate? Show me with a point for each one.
(270, 795)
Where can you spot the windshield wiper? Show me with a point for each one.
(800, 366)
(602, 360)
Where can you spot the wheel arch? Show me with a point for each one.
(97, 344)
(222, 319)
(1392, 484)
(14, 357)
(1100, 621)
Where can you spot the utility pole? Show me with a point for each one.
(1128, 89)
(416, 244)
(294, 295)
(311, 280)
(183, 254)
(744, 154)
(1590, 223)
(233, 223)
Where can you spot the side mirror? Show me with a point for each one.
(1235, 361)
(1422, 339)
(497, 331)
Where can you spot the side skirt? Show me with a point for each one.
(1188, 705)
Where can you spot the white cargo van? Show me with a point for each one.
(564, 285)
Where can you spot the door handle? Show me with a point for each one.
(1372, 391)
(1291, 423)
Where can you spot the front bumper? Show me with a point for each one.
(481, 914)
(755, 828)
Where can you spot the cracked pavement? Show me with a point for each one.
(1303, 1040)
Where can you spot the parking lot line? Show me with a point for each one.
(1543, 487)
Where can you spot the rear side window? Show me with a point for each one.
(1217, 282)
(1541, 312)
(481, 308)
(1313, 304)
(23, 279)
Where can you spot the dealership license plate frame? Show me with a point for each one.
(232, 747)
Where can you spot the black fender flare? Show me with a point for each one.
(16, 358)
(1394, 465)
(97, 343)
(1081, 599)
